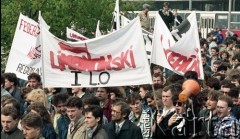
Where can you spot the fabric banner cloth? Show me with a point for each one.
(173, 55)
(117, 59)
(73, 35)
(25, 53)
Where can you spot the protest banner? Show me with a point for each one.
(117, 59)
(73, 35)
(180, 56)
(25, 53)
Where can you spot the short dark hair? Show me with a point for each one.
(234, 92)
(41, 110)
(2, 80)
(213, 83)
(93, 100)
(125, 108)
(34, 75)
(60, 97)
(14, 102)
(96, 110)
(32, 120)
(11, 77)
(132, 98)
(10, 111)
(215, 48)
(74, 102)
(25, 91)
(191, 75)
(165, 4)
(116, 91)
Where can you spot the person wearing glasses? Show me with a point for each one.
(121, 127)
(227, 126)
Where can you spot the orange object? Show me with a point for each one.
(189, 87)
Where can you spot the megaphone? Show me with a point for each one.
(189, 87)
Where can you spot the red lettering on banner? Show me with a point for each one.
(86, 63)
(35, 52)
(180, 62)
(29, 28)
(75, 36)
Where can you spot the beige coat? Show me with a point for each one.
(80, 130)
(145, 20)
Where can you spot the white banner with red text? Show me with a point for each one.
(172, 55)
(25, 53)
(117, 59)
(73, 35)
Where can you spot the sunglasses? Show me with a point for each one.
(178, 103)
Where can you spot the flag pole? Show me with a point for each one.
(155, 98)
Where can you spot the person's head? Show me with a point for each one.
(77, 90)
(9, 118)
(204, 59)
(213, 84)
(214, 51)
(227, 87)
(74, 108)
(224, 55)
(4, 98)
(179, 106)
(222, 69)
(13, 103)
(191, 75)
(215, 65)
(203, 50)
(157, 69)
(31, 124)
(11, 81)
(224, 105)
(237, 48)
(158, 80)
(37, 95)
(115, 93)
(234, 94)
(134, 100)
(143, 89)
(235, 59)
(58, 101)
(170, 94)
(150, 99)
(146, 7)
(38, 107)
(212, 99)
(93, 100)
(93, 116)
(25, 91)
(166, 6)
(34, 80)
(120, 111)
(103, 93)
(235, 79)
(2, 81)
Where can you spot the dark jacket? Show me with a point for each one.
(99, 133)
(128, 131)
(168, 19)
(15, 133)
(48, 131)
(62, 126)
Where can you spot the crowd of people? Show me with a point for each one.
(135, 111)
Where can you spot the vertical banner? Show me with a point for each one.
(25, 53)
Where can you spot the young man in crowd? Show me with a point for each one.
(9, 121)
(80, 92)
(227, 125)
(143, 118)
(103, 94)
(32, 124)
(208, 116)
(77, 127)
(60, 118)
(94, 116)
(121, 127)
(34, 80)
